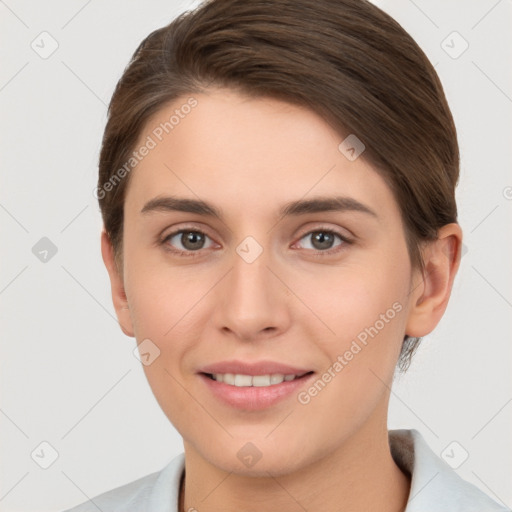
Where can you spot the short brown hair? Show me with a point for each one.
(346, 60)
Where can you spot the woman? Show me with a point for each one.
(277, 186)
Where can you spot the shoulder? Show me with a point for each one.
(435, 486)
(157, 492)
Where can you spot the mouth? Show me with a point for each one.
(242, 380)
(253, 392)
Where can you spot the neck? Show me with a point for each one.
(360, 475)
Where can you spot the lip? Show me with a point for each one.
(253, 368)
(253, 398)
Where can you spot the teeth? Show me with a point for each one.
(241, 380)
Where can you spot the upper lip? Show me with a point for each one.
(253, 368)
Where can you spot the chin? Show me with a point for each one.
(254, 458)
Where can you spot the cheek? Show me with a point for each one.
(166, 312)
(169, 312)
(367, 316)
(356, 299)
(367, 312)
(168, 307)
(161, 295)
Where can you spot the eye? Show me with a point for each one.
(323, 240)
(186, 242)
(189, 242)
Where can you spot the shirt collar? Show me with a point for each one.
(435, 486)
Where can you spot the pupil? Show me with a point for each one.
(324, 240)
(192, 240)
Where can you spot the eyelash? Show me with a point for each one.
(317, 253)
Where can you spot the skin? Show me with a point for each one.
(248, 156)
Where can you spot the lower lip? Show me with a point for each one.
(253, 398)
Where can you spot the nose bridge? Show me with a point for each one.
(252, 299)
(249, 282)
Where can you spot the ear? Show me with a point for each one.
(116, 282)
(431, 291)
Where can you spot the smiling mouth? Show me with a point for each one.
(242, 380)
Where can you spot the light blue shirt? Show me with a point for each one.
(435, 486)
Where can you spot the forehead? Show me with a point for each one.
(248, 154)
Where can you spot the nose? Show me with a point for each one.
(253, 303)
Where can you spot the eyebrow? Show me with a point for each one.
(293, 208)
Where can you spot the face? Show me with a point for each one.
(322, 291)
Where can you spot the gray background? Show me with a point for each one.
(68, 375)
